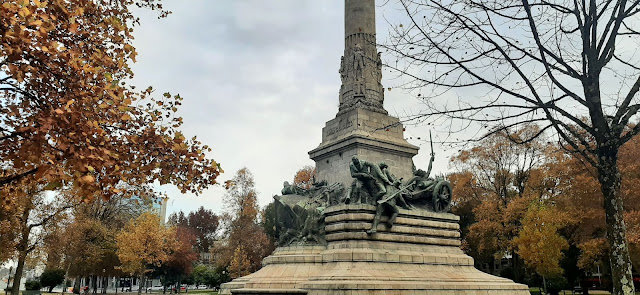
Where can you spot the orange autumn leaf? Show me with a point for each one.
(67, 100)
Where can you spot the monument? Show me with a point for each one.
(371, 224)
(362, 127)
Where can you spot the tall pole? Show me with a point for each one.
(360, 66)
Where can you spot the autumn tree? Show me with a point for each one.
(560, 178)
(540, 243)
(86, 246)
(582, 196)
(68, 114)
(244, 230)
(9, 225)
(305, 177)
(143, 243)
(534, 61)
(495, 181)
(202, 223)
(36, 215)
(240, 265)
(179, 264)
(521, 62)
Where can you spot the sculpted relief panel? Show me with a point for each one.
(361, 73)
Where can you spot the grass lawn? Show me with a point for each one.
(201, 292)
(538, 291)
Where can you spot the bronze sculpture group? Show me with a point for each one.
(299, 211)
(374, 184)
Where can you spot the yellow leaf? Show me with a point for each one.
(125, 117)
(25, 11)
(87, 179)
(36, 23)
(115, 97)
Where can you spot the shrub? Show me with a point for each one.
(32, 285)
(555, 285)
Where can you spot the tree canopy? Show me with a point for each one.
(246, 242)
(486, 67)
(68, 113)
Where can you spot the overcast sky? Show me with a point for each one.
(260, 79)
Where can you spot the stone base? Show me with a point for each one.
(370, 136)
(420, 254)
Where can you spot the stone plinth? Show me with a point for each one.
(283, 272)
(420, 254)
(371, 136)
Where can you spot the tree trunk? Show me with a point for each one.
(76, 286)
(140, 285)
(609, 177)
(66, 277)
(17, 277)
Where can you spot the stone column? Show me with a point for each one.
(359, 17)
(361, 67)
(362, 127)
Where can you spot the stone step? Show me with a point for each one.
(407, 257)
(396, 229)
(413, 214)
(292, 258)
(401, 220)
(391, 237)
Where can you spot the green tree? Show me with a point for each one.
(217, 276)
(200, 273)
(269, 221)
(52, 277)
